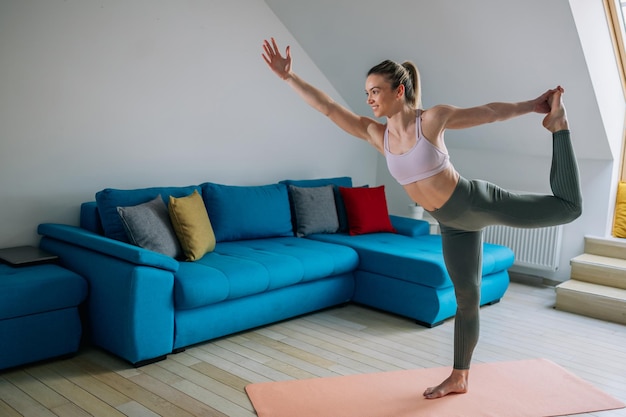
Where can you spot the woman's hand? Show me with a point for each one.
(281, 66)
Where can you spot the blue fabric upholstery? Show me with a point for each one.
(37, 289)
(429, 306)
(397, 256)
(240, 314)
(39, 313)
(39, 336)
(414, 259)
(248, 267)
(90, 218)
(252, 212)
(134, 254)
(130, 309)
(320, 182)
(409, 227)
(407, 275)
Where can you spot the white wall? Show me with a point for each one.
(142, 93)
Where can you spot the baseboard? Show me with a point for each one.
(532, 280)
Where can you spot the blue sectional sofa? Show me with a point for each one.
(276, 251)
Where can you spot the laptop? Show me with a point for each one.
(25, 255)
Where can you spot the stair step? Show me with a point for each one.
(611, 247)
(600, 270)
(592, 300)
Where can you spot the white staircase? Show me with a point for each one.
(597, 287)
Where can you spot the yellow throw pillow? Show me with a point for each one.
(619, 223)
(192, 225)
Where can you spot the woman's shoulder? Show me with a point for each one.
(376, 133)
(433, 120)
(437, 113)
(437, 109)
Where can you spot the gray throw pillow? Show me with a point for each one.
(148, 225)
(314, 209)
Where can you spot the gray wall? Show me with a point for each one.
(146, 93)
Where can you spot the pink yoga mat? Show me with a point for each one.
(530, 388)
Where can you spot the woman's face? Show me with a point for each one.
(380, 96)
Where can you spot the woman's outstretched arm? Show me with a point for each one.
(359, 126)
(443, 117)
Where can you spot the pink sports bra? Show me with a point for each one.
(420, 162)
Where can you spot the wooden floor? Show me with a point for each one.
(209, 380)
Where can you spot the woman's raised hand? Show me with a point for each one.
(281, 66)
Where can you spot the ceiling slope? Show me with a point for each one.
(468, 52)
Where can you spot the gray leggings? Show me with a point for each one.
(476, 204)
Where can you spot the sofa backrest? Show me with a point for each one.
(109, 199)
(247, 212)
(90, 218)
(235, 212)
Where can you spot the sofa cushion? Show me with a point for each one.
(314, 209)
(238, 269)
(39, 288)
(248, 212)
(366, 209)
(409, 227)
(192, 225)
(90, 218)
(109, 199)
(619, 221)
(148, 226)
(415, 259)
(336, 182)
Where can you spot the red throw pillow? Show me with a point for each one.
(367, 210)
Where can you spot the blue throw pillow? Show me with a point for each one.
(247, 212)
(109, 199)
(336, 183)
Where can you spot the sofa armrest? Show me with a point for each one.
(130, 305)
(121, 250)
(410, 227)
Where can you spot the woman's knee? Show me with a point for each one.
(468, 298)
(574, 211)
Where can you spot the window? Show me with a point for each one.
(616, 12)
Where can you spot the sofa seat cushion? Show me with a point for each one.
(37, 289)
(243, 268)
(416, 259)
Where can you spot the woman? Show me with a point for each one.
(412, 142)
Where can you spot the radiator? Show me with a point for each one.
(538, 248)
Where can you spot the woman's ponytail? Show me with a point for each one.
(414, 93)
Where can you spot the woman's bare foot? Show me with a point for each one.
(557, 118)
(456, 383)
